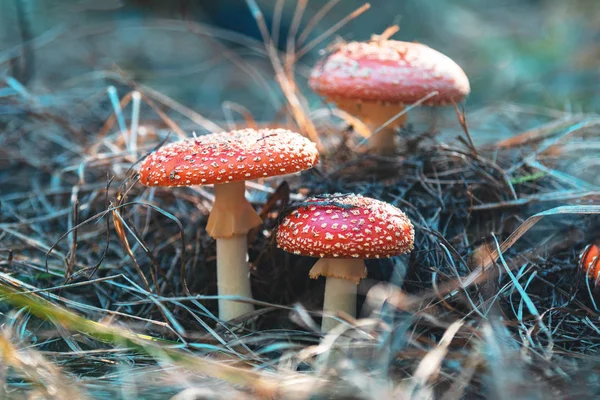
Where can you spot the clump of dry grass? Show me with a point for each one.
(492, 304)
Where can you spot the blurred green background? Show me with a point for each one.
(204, 53)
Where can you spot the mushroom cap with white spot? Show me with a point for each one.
(346, 226)
(389, 71)
(225, 157)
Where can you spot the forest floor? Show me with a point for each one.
(491, 302)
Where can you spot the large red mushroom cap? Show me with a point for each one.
(226, 157)
(346, 226)
(389, 71)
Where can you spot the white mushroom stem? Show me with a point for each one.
(340, 295)
(230, 220)
(343, 276)
(233, 276)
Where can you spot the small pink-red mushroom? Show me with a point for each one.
(343, 230)
(374, 80)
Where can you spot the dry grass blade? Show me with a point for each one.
(314, 20)
(462, 120)
(561, 196)
(259, 383)
(50, 381)
(539, 133)
(430, 366)
(480, 273)
(288, 87)
(120, 230)
(180, 108)
(521, 230)
(334, 28)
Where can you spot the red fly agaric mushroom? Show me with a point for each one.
(589, 262)
(374, 80)
(343, 230)
(227, 160)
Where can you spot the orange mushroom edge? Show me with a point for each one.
(589, 261)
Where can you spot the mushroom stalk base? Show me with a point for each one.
(340, 292)
(233, 276)
(384, 141)
(340, 295)
(232, 214)
(230, 220)
(375, 114)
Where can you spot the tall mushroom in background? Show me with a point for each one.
(374, 80)
(343, 230)
(227, 160)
